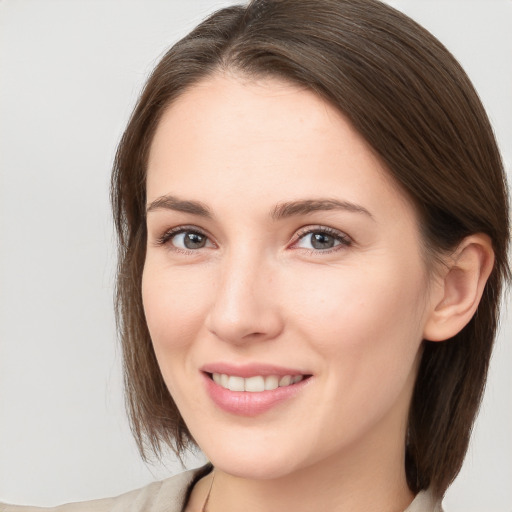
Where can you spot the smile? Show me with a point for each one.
(251, 390)
(255, 384)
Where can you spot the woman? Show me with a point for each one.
(311, 209)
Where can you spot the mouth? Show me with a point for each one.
(256, 383)
(252, 390)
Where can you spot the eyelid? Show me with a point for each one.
(325, 229)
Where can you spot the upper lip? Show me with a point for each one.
(250, 370)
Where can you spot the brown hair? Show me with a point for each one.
(412, 102)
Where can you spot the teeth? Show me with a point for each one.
(271, 382)
(286, 380)
(236, 383)
(255, 384)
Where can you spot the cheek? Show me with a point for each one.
(365, 329)
(363, 318)
(173, 306)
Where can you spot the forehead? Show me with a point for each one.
(263, 138)
(221, 110)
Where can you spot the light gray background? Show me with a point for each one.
(71, 71)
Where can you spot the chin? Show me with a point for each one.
(252, 468)
(249, 459)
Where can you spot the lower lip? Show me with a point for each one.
(246, 403)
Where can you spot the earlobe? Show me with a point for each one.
(460, 288)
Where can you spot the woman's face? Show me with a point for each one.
(280, 253)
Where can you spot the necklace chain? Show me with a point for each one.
(203, 508)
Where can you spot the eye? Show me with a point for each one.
(185, 239)
(322, 239)
(189, 240)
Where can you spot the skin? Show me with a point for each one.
(353, 316)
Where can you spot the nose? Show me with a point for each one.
(244, 308)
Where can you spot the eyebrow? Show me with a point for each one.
(308, 206)
(281, 210)
(173, 203)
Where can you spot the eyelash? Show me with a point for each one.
(343, 239)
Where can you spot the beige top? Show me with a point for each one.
(170, 495)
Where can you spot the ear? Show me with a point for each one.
(458, 290)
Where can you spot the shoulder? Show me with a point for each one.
(167, 495)
(425, 502)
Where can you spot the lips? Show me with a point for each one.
(251, 390)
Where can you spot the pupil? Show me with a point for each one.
(322, 241)
(194, 240)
